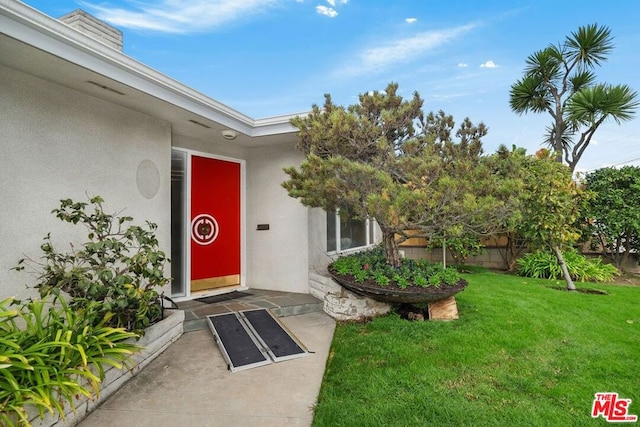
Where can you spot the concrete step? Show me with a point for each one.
(282, 304)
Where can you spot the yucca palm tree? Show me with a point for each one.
(560, 81)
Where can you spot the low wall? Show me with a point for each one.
(156, 339)
(342, 304)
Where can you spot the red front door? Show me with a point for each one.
(215, 223)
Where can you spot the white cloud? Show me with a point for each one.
(410, 20)
(402, 50)
(489, 64)
(463, 65)
(331, 12)
(327, 11)
(178, 16)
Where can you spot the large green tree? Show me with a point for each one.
(383, 158)
(613, 213)
(508, 165)
(560, 81)
(551, 203)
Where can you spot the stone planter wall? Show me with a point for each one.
(156, 339)
(342, 304)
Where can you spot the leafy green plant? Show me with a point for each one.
(402, 281)
(372, 264)
(460, 247)
(544, 265)
(119, 266)
(420, 280)
(551, 201)
(381, 279)
(613, 217)
(53, 353)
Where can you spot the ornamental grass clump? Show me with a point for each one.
(544, 265)
(52, 354)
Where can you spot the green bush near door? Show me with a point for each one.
(120, 266)
(96, 299)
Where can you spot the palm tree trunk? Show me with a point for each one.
(563, 267)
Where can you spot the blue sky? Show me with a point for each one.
(272, 57)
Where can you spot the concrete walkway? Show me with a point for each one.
(189, 385)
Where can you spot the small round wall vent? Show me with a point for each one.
(229, 134)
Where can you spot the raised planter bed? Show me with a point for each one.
(156, 339)
(394, 294)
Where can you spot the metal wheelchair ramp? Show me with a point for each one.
(253, 338)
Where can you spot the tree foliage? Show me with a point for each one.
(508, 166)
(383, 158)
(560, 80)
(551, 202)
(613, 214)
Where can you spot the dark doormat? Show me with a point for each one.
(223, 297)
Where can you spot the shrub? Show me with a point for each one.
(460, 248)
(544, 265)
(119, 267)
(372, 265)
(51, 354)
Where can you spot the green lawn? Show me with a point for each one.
(521, 354)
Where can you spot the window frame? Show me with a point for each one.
(371, 234)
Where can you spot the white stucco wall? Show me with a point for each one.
(278, 258)
(58, 143)
(319, 259)
(218, 148)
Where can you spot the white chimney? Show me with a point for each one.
(93, 27)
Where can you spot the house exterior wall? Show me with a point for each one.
(59, 143)
(319, 259)
(222, 148)
(277, 258)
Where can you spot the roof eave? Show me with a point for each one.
(31, 26)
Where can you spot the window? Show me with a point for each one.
(347, 233)
(178, 215)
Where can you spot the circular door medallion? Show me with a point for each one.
(204, 229)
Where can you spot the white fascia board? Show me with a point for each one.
(30, 26)
(276, 125)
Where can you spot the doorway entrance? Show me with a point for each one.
(207, 211)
